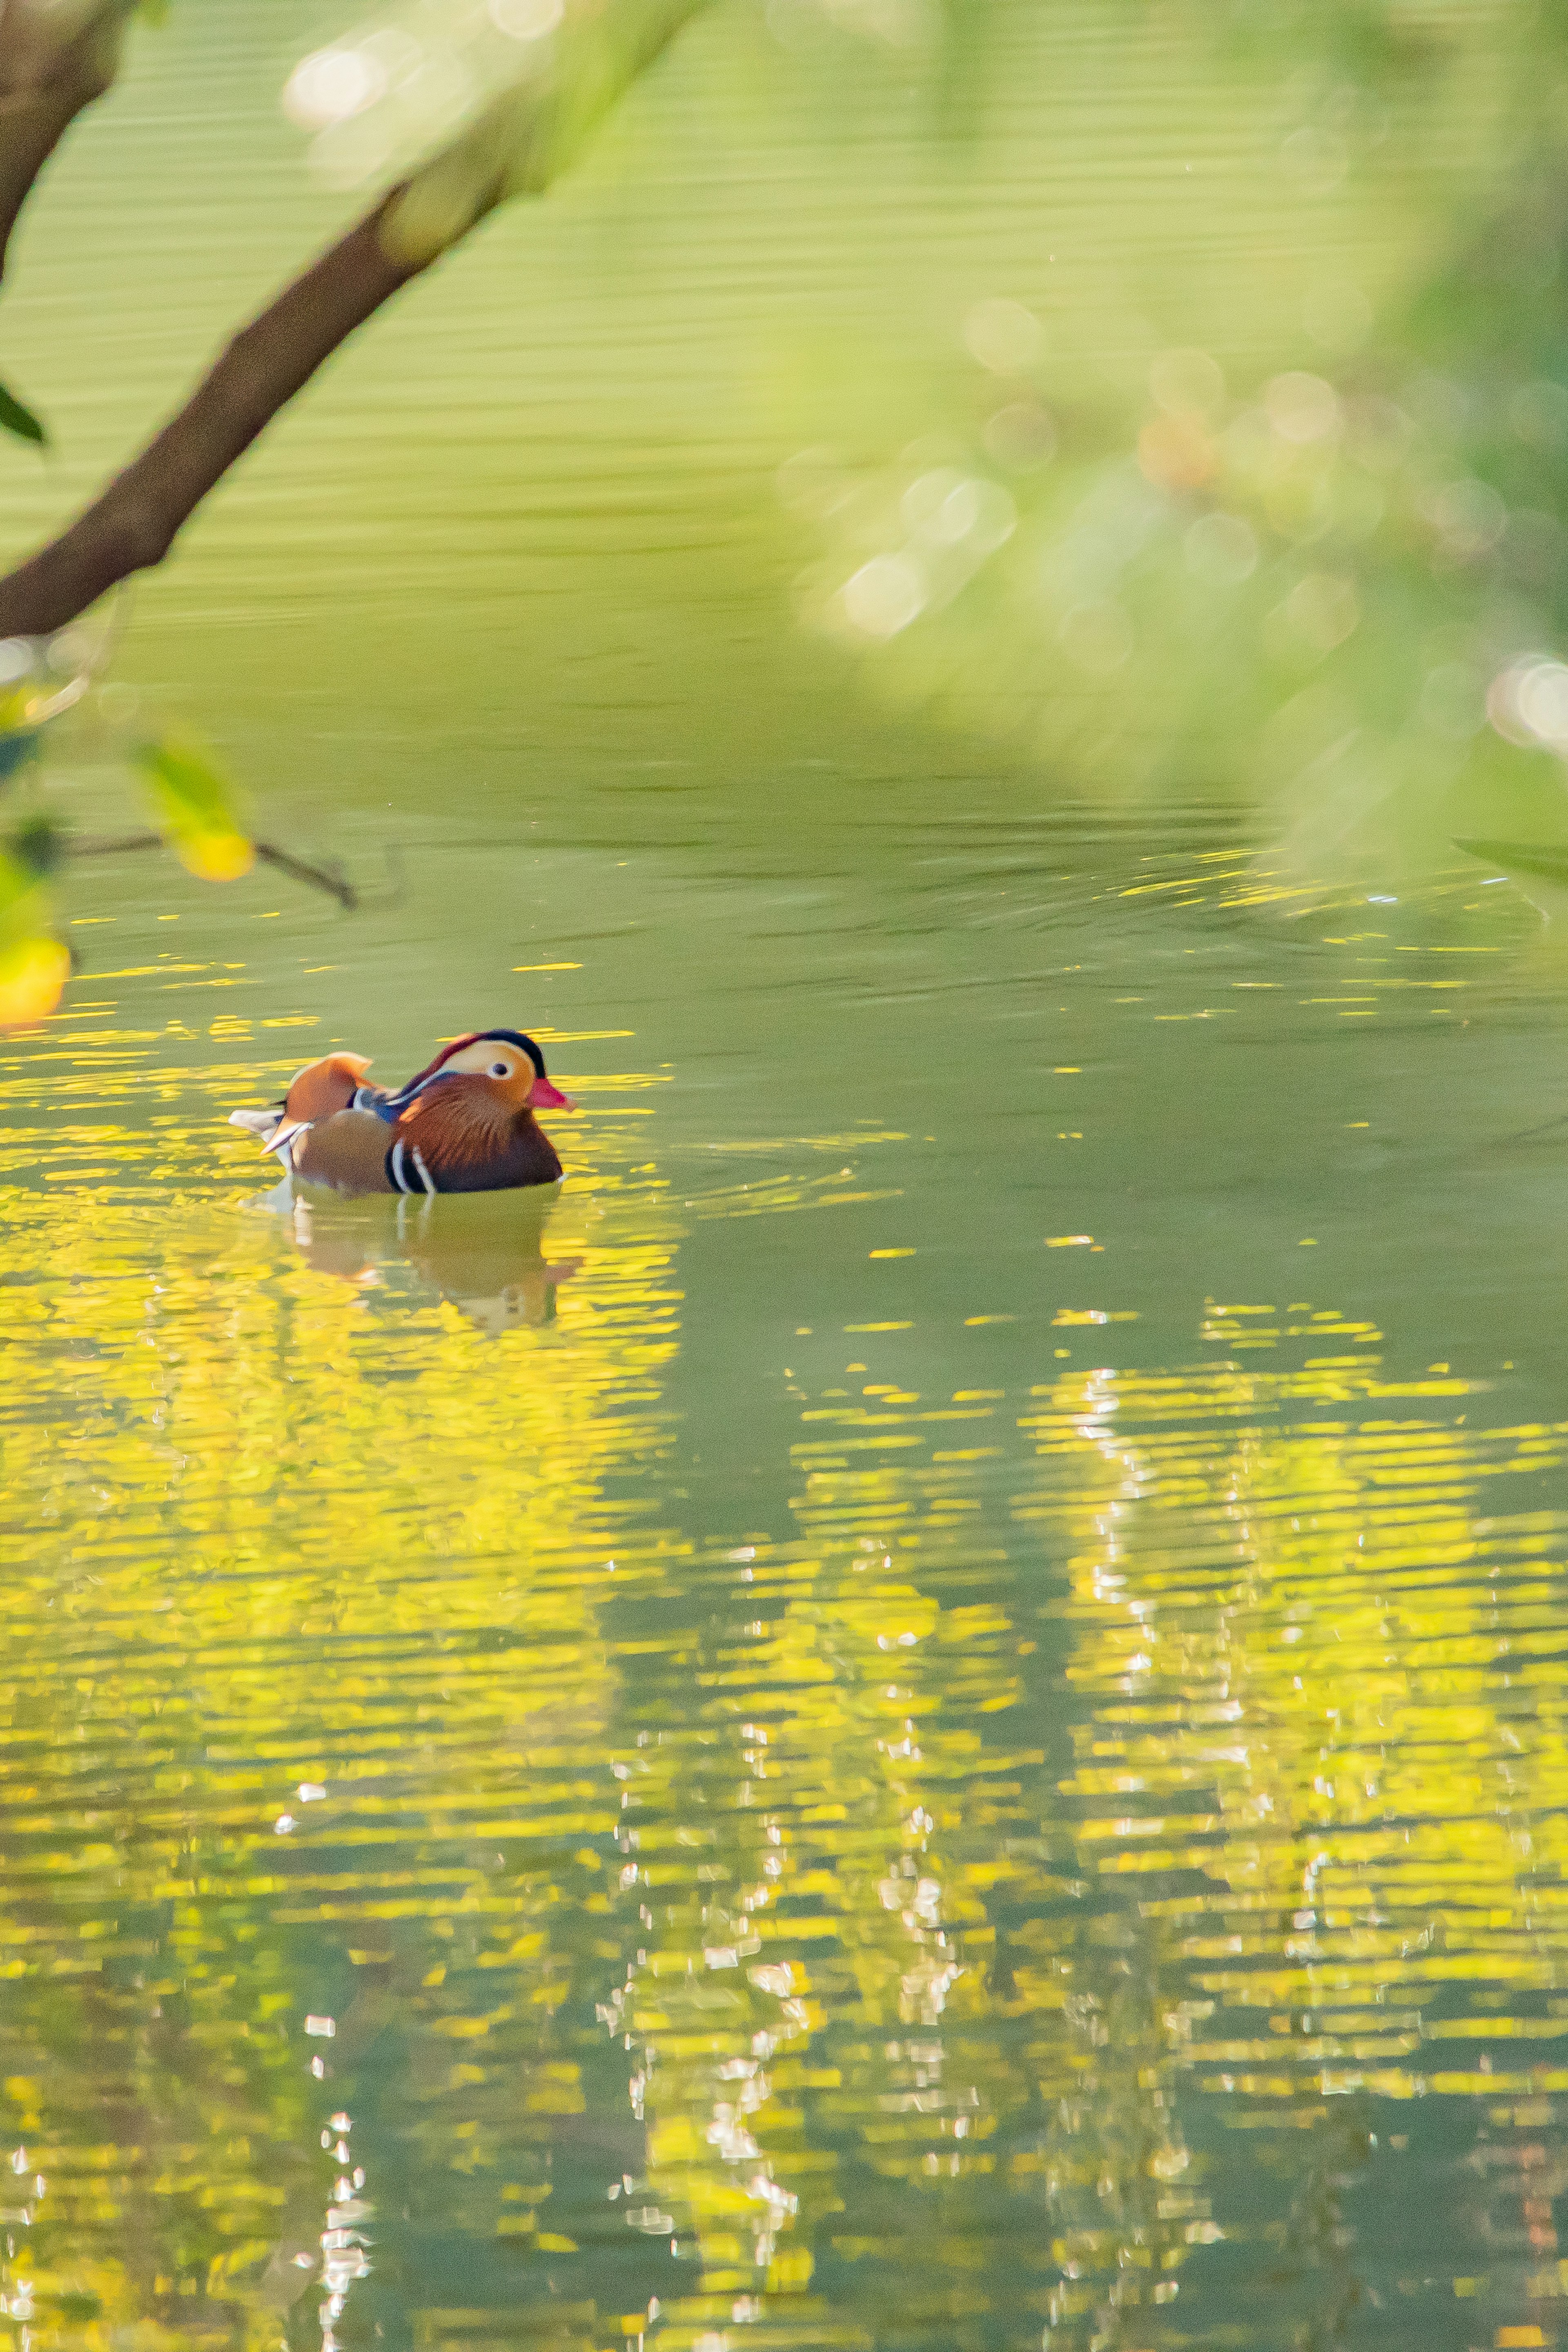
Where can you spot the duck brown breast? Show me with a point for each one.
(470, 1140)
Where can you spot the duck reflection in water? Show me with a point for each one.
(485, 1256)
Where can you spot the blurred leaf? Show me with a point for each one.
(17, 744)
(533, 128)
(34, 964)
(1544, 863)
(197, 810)
(77, 2307)
(34, 969)
(38, 846)
(23, 906)
(20, 420)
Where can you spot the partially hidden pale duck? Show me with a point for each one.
(464, 1124)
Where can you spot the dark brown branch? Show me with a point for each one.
(316, 876)
(40, 96)
(131, 524)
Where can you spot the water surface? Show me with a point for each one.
(932, 1714)
(931, 1717)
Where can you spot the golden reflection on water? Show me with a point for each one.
(1029, 1896)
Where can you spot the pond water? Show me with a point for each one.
(768, 1754)
(780, 1754)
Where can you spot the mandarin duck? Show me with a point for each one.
(464, 1124)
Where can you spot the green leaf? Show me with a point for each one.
(197, 809)
(18, 744)
(37, 846)
(22, 902)
(20, 420)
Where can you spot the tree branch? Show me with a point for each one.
(133, 524)
(317, 877)
(42, 88)
(517, 147)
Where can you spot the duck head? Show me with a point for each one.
(511, 1061)
(466, 1124)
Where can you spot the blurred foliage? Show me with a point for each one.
(193, 805)
(34, 964)
(17, 418)
(1236, 463)
(1289, 555)
(196, 811)
(544, 79)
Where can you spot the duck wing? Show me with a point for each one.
(347, 1151)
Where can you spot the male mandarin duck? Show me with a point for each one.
(465, 1124)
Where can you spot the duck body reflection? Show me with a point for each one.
(485, 1257)
(466, 1123)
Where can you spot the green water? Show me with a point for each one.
(777, 1755)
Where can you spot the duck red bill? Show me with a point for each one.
(542, 1096)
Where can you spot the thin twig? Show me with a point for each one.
(1528, 1134)
(82, 845)
(316, 877)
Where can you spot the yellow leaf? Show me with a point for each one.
(196, 811)
(216, 856)
(18, 706)
(33, 971)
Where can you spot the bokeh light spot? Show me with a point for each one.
(526, 20)
(1020, 436)
(1004, 337)
(885, 596)
(333, 85)
(1303, 407)
(1187, 383)
(1221, 550)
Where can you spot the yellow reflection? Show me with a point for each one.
(796, 1861)
(793, 1941)
(1321, 1765)
(310, 1525)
